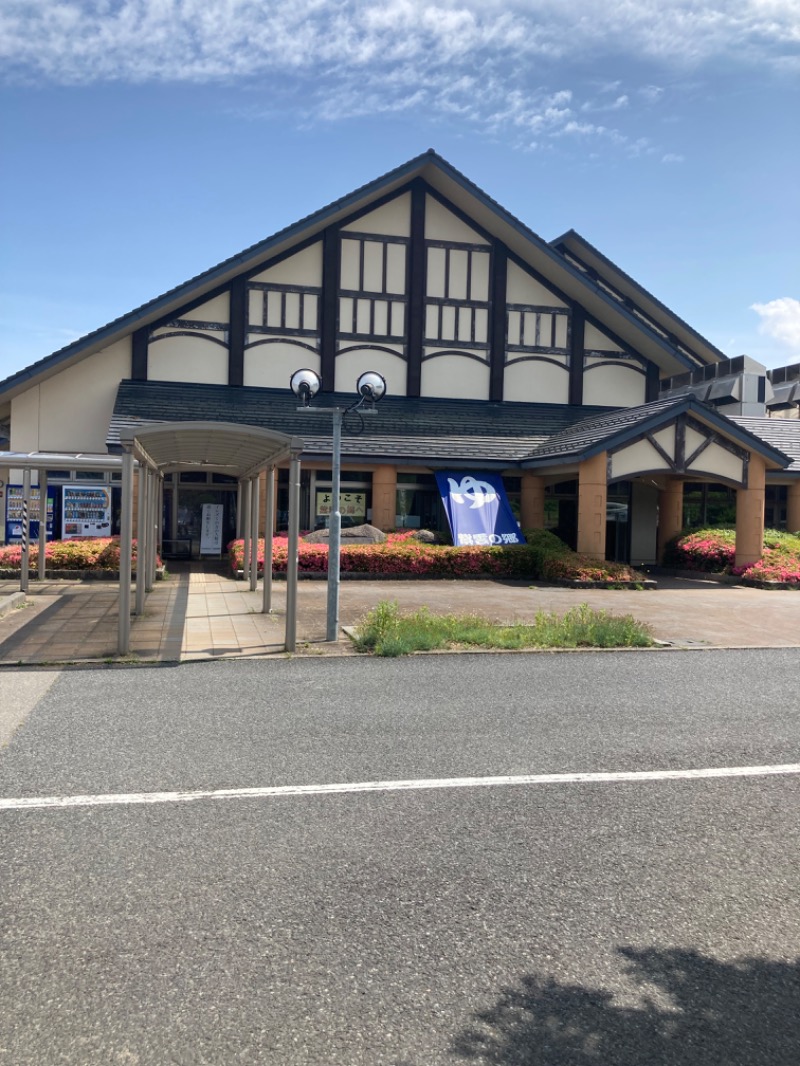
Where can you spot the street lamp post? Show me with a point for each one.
(370, 387)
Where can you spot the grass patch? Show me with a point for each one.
(385, 631)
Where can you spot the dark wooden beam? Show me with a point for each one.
(576, 347)
(139, 344)
(653, 386)
(331, 270)
(497, 327)
(416, 289)
(237, 315)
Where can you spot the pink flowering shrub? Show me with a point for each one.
(714, 551)
(84, 553)
(401, 555)
(710, 550)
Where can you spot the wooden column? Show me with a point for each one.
(532, 502)
(670, 513)
(592, 496)
(750, 513)
(793, 507)
(384, 497)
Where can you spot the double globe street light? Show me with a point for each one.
(370, 388)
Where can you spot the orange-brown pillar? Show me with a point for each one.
(750, 514)
(384, 497)
(670, 513)
(531, 504)
(592, 497)
(793, 507)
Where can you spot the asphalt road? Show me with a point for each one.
(622, 923)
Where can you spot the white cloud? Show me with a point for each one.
(500, 65)
(780, 319)
(671, 157)
(76, 41)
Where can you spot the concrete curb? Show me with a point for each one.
(11, 600)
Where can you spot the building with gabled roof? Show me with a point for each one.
(604, 411)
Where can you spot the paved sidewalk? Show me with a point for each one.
(200, 613)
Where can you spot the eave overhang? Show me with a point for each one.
(646, 419)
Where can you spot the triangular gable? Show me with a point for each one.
(473, 211)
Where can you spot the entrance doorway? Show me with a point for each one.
(183, 518)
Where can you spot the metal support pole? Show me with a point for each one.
(148, 516)
(335, 530)
(26, 530)
(246, 496)
(125, 537)
(291, 562)
(238, 510)
(42, 525)
(155, 526)
(160, 517)
(254, 534)
(141, 538)
(269, 525)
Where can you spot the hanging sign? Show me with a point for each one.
(86, 511)
(478, 509)
(211, 529)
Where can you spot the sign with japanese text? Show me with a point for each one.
(211, 529)
(477, 509)
(352, 505)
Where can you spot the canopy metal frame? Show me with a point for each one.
(148, 452)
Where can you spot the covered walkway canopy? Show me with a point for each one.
(151, 450)
(241, 451)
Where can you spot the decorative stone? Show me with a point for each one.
(364, 534)
(426, 536)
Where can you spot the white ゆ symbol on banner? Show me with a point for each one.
(478, 493)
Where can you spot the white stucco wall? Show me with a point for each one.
(188, 359)
(271, 365)
(596, 341)
(666, 438)
(393, 219)
(521, 288)
(443, 225)
(536, 381)
(25, 421)
(303, 268)
(350, 364)
(613, 385)
(456, 377)
(71, 410)
(216, 310)
(718, 461)
(636, 459)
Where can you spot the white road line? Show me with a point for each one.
(611, 777)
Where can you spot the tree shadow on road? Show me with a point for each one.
(694, 1011)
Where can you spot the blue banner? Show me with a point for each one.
(478, 509)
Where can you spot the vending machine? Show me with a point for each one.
(14, 501)
(85, 511)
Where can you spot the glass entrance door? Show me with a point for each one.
(190, 517)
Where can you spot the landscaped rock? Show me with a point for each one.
(426, 536)
(364, 534)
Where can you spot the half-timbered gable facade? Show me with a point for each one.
(495, 346)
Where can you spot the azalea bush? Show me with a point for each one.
(80, 553)
(544, 556)
(714, 551)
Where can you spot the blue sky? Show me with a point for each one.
(144, 141)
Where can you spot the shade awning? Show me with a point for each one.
(237, 450)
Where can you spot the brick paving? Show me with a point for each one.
(199, 612)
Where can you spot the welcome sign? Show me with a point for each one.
(478, 509)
